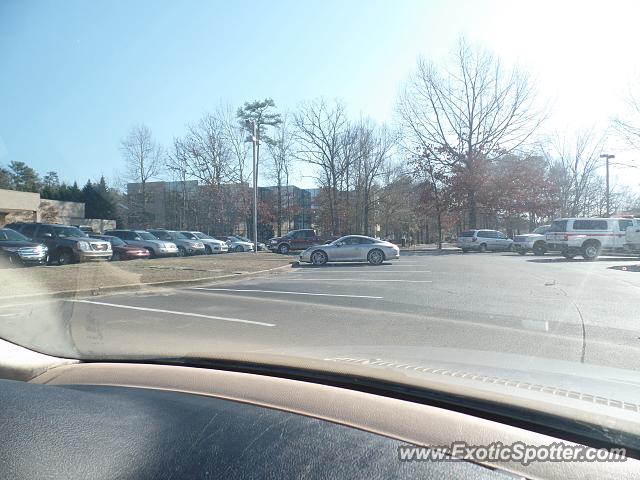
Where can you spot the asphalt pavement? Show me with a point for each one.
(495, 302)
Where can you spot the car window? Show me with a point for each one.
(45, 229)
(366, 241)
(65, 232)
(309, 233)
(501, 235)
(624, 224)
(297, 235)
(189, 235)
(28, 230)
(146, 236)
(541, 230)
(485, 234)
(590, 225)
(12, 235)
(468, 233)
(558, 226)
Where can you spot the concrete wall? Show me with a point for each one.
(18, 206)
(56, 211)
(98, 225)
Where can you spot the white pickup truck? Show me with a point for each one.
(590, 237)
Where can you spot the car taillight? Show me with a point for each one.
(474, 239)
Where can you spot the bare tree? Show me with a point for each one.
(319, 133)
(469, 113)
(207, 157)
(281, 155)
(143, 158)
(629, 128)
(573, 168)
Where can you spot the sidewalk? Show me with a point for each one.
(86, 279)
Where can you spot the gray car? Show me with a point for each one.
(184, 244)
(142, 238)
(351, 248)
(483, 241)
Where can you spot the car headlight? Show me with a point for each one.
(84, 246)
(169, 245)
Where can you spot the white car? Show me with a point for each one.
(531, 242)
(351, 248)
(211, 244)
(589, 237)
(237, 245)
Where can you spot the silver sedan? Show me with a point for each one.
(351, 248)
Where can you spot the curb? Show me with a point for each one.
(137, 287)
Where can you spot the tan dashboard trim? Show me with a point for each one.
(403, 420)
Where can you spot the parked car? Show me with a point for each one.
(261, 246)
(185, 245)
(16, 249)
(122, 251)
(211, 244)
(298, 240)
(65, 244)
(532, 242)
(142, 238)
(483, 240)
(236, 245)
(351, 248)
(589, 237)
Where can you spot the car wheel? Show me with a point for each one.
(568, 255)
(239, 249)
(464, 250)
(152, 253)
(207, 250)
(182, 252)
(483, 248)
(65, 257)
(375, 257)
(510, 249)
(283, 248)
(319, 257)
(591, 251)
(539, 248)
(116, 257)
(522, 251)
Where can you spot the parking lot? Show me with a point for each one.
(535, 306)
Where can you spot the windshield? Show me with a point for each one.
(115, 241)
(68, 232)
(449, 130)
(8, 234)
(146, 236)
(203, 236)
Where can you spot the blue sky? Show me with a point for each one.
(75, 75)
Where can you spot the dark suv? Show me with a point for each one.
(17, 249)
(65, 244)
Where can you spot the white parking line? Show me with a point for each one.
(172, 312)
(348, 270)
(281, 291)
(362, 280)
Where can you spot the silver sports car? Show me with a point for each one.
(351, 248)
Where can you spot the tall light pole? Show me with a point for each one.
(254, 140)
(607, 157)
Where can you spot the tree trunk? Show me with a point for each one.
(471, 201)
(279, 207)
(439, 219)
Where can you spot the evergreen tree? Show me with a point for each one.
(23, 177)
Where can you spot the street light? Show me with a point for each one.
(607, 157)
(254, 140)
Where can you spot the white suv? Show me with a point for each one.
(588, 237)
